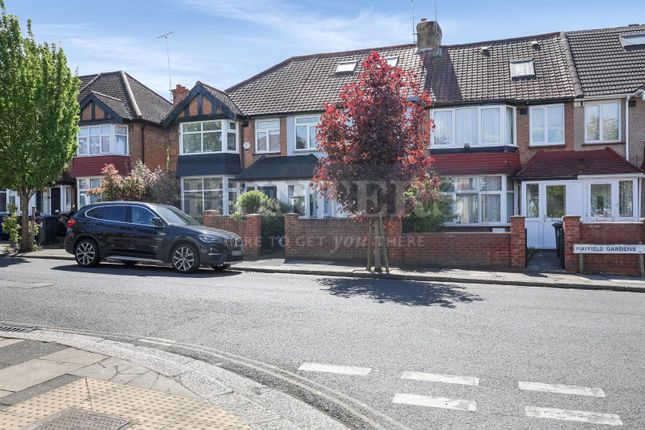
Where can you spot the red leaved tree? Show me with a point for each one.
(375, 141)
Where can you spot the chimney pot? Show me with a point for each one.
(178, 94)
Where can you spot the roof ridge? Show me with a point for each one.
(130, 95)
(98, 75)
(591, 30)
(508, 39)
(148, 88)
(568, 55)
(105, 95)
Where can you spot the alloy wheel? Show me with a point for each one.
(183, 259)
(85, 253)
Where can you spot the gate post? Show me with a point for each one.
(518, 243)
(571, 226)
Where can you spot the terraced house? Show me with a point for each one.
(540, 126)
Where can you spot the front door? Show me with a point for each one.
(54, 200)
(544, 203)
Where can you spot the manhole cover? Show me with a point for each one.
(74, 419)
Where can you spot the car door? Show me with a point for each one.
(146, 238)
(108, 225)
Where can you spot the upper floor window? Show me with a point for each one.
(602, 122)
(547, 125)
(208, 137)
(306, 130)
(485, 125)
(267, 135)
(522, 69)
(103, 139)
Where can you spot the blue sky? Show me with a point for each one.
(222, 42)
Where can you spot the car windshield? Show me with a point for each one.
(174, 216)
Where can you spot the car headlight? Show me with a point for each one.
(207, 238)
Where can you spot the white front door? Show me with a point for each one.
(543, 204)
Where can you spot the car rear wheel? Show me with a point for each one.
(87, 253)
(185, 258)
(220, 267)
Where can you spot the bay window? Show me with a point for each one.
(296, 198)
(84, 186)
(480, 199)
(199, 194)
(208, 137)
(267, 136)
(602, 122)
(109, 139)
(546, 125)
(473, 126)
(306, 130)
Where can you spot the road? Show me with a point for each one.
(416, 355)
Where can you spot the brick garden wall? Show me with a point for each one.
(248, 228)
(577, 232)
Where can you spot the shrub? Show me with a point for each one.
(430, 217)
(250, 202)
(11, 226)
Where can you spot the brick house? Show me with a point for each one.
(120, 123)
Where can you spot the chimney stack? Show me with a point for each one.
(429, 37)
(178, 94)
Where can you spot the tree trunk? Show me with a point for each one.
(385, 256)
(369, 244)
(26, 241)
(378, 252)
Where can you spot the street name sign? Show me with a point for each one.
(608, 249)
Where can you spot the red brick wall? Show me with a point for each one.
(346, 240)
(523, 131)
(249, 229)
(248, 135)
(157, 144)
(576, 232)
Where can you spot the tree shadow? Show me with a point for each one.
(144, 271)
(407, 293)
(11, 261)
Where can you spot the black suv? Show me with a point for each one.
(133, 232)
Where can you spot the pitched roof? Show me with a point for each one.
(571, 164)
(221, 96)
(603, 65)
(281, 167)
(467, 73)
(476, 163)
(126, 96)
(305, 83)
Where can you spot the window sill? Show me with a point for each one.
(209, 153)
(547, 145)
(307, 150)
(265, 152)
(611, 142)
(101, 155)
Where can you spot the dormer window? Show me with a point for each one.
(346, 66)
(633, 40)
(392, 61)
(522, 69)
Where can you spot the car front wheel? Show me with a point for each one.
(87, 253)
(185, 258)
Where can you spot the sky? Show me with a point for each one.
(222, 42)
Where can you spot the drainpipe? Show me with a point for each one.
(143, 144)
(627, 128)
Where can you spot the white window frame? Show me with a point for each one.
(309, 146)
(112, 135)
(346, 66)
(223, 131)
(614, 182)
(479, 108)
(267, 133)
(528, 61)
(546, 125)
(392, 61)
(600, 126)
(79, 190)
(502, 193)
(225, 190)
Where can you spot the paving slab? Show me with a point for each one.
(37, 389)
(20, 352)
(32, 372)
(7, 342)
(73, 355)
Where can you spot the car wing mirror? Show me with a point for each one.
(157, 222)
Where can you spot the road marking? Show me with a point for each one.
(446, 379)
(561, 389)
(332, 368)
(568, 415)
(435, 402)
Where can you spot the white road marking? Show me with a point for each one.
(568, 415)
(561, 389)
(332, 368)
(435, 402)
(446, 379)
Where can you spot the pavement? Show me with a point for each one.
(554, 279)
(61, 380)
(369, 353)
